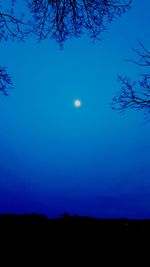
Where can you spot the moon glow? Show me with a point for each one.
(77, 103)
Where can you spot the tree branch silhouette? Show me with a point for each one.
(63, 19)
(58, 20)
(135, 94)
(12, 28)
(5, 81)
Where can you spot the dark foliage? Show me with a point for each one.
(135, 94)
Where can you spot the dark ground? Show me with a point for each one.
(121, 225)
(74, 234)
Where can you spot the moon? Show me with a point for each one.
(77, 103)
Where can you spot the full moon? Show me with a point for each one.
(77, 103)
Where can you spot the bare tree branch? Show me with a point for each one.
(57, 19)
(62, 19)
(135, 94)
(11, 26)
(143, 54)
(5, 81)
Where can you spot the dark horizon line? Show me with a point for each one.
(67, 216)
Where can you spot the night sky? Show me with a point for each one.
(87, 160)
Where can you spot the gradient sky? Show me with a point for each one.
(56, 158)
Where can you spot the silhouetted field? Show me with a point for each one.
(103, 225)
(74, 233)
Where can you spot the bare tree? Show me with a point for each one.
(12, 27)
(135, 94)
(62, 19)
(56, 19)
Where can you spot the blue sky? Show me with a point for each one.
(55, 157)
